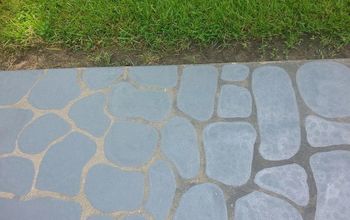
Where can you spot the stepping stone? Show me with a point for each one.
(110, 189)
(234, 72)
(99, 78)
(229, 151)
(332, 177)
(161, 76)
(179, 144)
(288, 180)
(260, 206)
(324, 86)
(65, 161)
(55, 90)
(202, 202)
(234, 102)
(130, 144)
(323, 133)
(134, 217)
(196, 96)
(278, 115)
(36, 137)
(16, 175)
(15, 84)
(97, 217)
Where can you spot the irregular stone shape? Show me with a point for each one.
(88, 114)
(11, 122)
(278, 115)
(332, 177)
(324, 86)
(234, 72)
(16, 175)
(162, 76)
(130, 144)
(162, 186)
(260, 206)
(36, 136)
(110, 189)
(99, 217)
(229, 151)
(134, 217)
(101, 77)
(288, 180)
(55, 90)
(15, 84)
(62, 165)
(127, 101)
(203, 202)
(234, 102)
(179, 144)
(41, 208)
(196, 95)
(323, 133)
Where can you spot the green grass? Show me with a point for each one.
(171, 24)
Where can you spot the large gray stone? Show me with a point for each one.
(88, 114)
(229, 151)
(45, 129)
(101, 77)
(100, 217)
(16, 175)
(62, 165)
(55, 90)
(332, 176)
(179, 144)
(162, 76)
(162, 186)
(15, 84)
(134, 217)
(11, 122)
(288, 180)
(110, 189)
(234, 72)
(324, 86)
(39, 209)
(278, 115)
(202, 202)
(196, 96)
(127, 101)
(323, 133)
(260, 206)
(130, 144)
(234, 101)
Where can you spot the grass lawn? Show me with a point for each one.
(172, 25)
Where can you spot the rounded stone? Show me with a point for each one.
(160, 76)
(234, 72)
(100, 217)
(101, 77)
(134, 217)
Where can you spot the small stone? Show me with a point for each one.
(134, 217)
(179, 144)
(40, 133)
(11, 123)
(234, 72)
(288, 180)
(196, 96)
(99, 217)
(111, 189)
(260, 206)
(130, 144)
(15, 84)
(332, 177)
(62, 165)
(127, 101)
(278, 114)
(101, 77)
(324, 86)
(88, 113)
(202, 202)
(55, 90)
(16, 175)
(234, 101)
(41, 208)
(229, 151)
(162, 186)
(323, 133)
(162, 76)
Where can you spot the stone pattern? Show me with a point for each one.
(176, 142)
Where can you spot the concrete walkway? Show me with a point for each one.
(257, 141)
